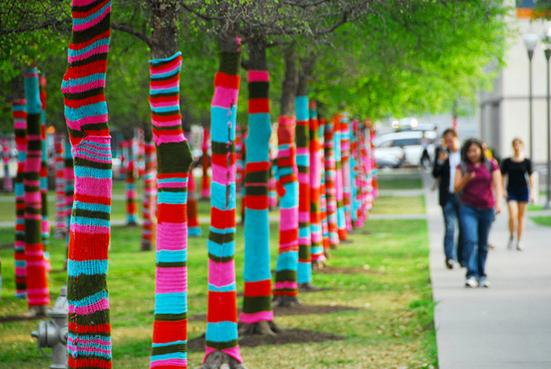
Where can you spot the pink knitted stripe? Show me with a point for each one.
(172, 279)
(256, 317)
(258, 76)
(224, 97)
(225, 273)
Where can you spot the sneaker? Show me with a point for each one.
(511, 242)
(471, 282)
(519, 246)
(450, 263)
(484, 282)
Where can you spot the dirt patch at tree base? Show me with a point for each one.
(285, 336)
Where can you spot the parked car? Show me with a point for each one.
(413, 147)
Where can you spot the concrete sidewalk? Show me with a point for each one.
(504, 327)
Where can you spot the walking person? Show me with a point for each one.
(478, 181)
(517, 174)
(447, 159)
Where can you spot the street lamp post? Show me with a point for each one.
(530, 41)
(547, 51)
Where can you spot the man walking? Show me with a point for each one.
(447, 159)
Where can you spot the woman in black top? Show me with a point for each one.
(517, 171)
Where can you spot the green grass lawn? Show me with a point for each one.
(399, 205)
(390, 326)
(543, 220)
(400, 183)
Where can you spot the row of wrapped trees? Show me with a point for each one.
(322, 170)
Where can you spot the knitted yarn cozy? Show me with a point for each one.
(330, 183)
(69, 177)
(44, 168)
(194, 229)
(287, 187)
(60, 221)
(37, 281)
(89, 340)
(205, 164)
(19, 114)
(323, 192)
(173, 164)
(131, 208)
(221, 333)
(315, 184)
(339, 182)
(344, 126)
(150, 190)
(302, 140)
(257, 301)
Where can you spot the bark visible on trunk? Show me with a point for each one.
(164, 21)
(305, 75)
(289, 87)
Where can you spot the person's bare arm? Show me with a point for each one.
(461, 180)
(532, 188)
(497, 184)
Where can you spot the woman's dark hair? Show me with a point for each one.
(470, 142)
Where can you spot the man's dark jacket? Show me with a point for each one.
(441, 172)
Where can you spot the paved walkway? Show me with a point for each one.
(507, 326)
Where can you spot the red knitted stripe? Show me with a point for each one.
(222, 219)
(221, 307)
(166, 65)
(89, 329)
(259, 105)
(222, 79)
(169, 331)
(287, 236)
(257, 202)
(171, 175)
(172, 213)
(260, 288)
(83, 362)
(92, 199)
(164, 82)
(222, 159)
(85, 101)
(258, 166)
(88, 253)
(167, 118)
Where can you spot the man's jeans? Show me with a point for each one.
(451, 221)
(476, 224)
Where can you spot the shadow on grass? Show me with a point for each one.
(286, 336)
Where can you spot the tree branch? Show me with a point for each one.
(131, 31)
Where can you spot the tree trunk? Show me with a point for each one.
(7, 185)
(19, 112)
(286, 288)
(339, 181)
(257, 301)
(221, 334)
(173, 164)
(148, 210)
(38, 296)
(69, 174)
(131, 185)
(87, 121)
(302, 140)
(205, 163)
(44, 171)
(355, 191)
(315, 184)
(346, 175)
(60, 223)
(194, 229)
(323, 191)
(330, 184)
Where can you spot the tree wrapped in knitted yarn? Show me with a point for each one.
(38, 296)
(173, 164)
(60, 222)
(257, 316)
(346, 175)
(286, 286)
(322, 189)
(318, 256)
(205, 164)
(44, 167)
(19, 113)
(339, 182)
(131, 208)
(83, 87)
(194, 229)
(330, 183)
(222, 346)
(149, 189)
(69, 177)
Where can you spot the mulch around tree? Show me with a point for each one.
(18, 318)
(285, 336)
